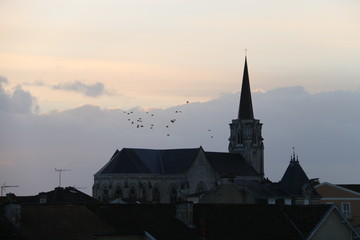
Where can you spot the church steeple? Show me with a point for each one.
(245, 106)
(245, 131)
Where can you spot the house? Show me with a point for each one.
(345, 196)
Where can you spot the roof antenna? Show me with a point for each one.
(4, 186)
(61, 170)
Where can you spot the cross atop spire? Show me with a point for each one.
(245, 108)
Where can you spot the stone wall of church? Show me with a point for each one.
(134, 187)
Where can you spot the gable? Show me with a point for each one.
(200, 172)
(332, 226)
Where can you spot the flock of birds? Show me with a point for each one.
(148, 120)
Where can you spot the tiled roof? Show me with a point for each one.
(258, 221)
(212, 221)
(230, 164)
(251, 221)
(58, 195)
(305, 217)
(352, 187)
(43, 222)
(67, 195)
(157, 219)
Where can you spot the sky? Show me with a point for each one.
(70, 69)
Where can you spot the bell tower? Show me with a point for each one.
(245, 131)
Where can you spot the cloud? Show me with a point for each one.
(91, 90)
(39, 83)
(18, 101)
(3, 79)
(323, 128)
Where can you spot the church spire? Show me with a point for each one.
(245, 131)
(245, 108)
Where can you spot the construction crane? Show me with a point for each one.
(4, 186)
(61, 170)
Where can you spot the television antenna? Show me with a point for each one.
(61, 170)
(3, 188)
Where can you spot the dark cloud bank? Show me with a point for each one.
(322, 127)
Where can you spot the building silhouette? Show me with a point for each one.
(172, 175)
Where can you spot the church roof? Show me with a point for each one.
(173, 161)
(245, 108)
(230, 164)
(150, 161)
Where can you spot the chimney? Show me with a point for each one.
(42, 198)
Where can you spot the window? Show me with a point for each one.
(118, 192)
(201, 188)
(156, 194)
(271, 201)
(288, 201)
(144, 193)
(173, 195)
(345, 209)
(240, 137)
(132, 193)
(105, 194)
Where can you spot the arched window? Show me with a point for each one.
(144, 193)
(156, 194)
(201, 187)
(105, 194)
(240, 137)
(173, 194)
(118, 192)
(132, 193)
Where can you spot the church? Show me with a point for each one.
(172, 175)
